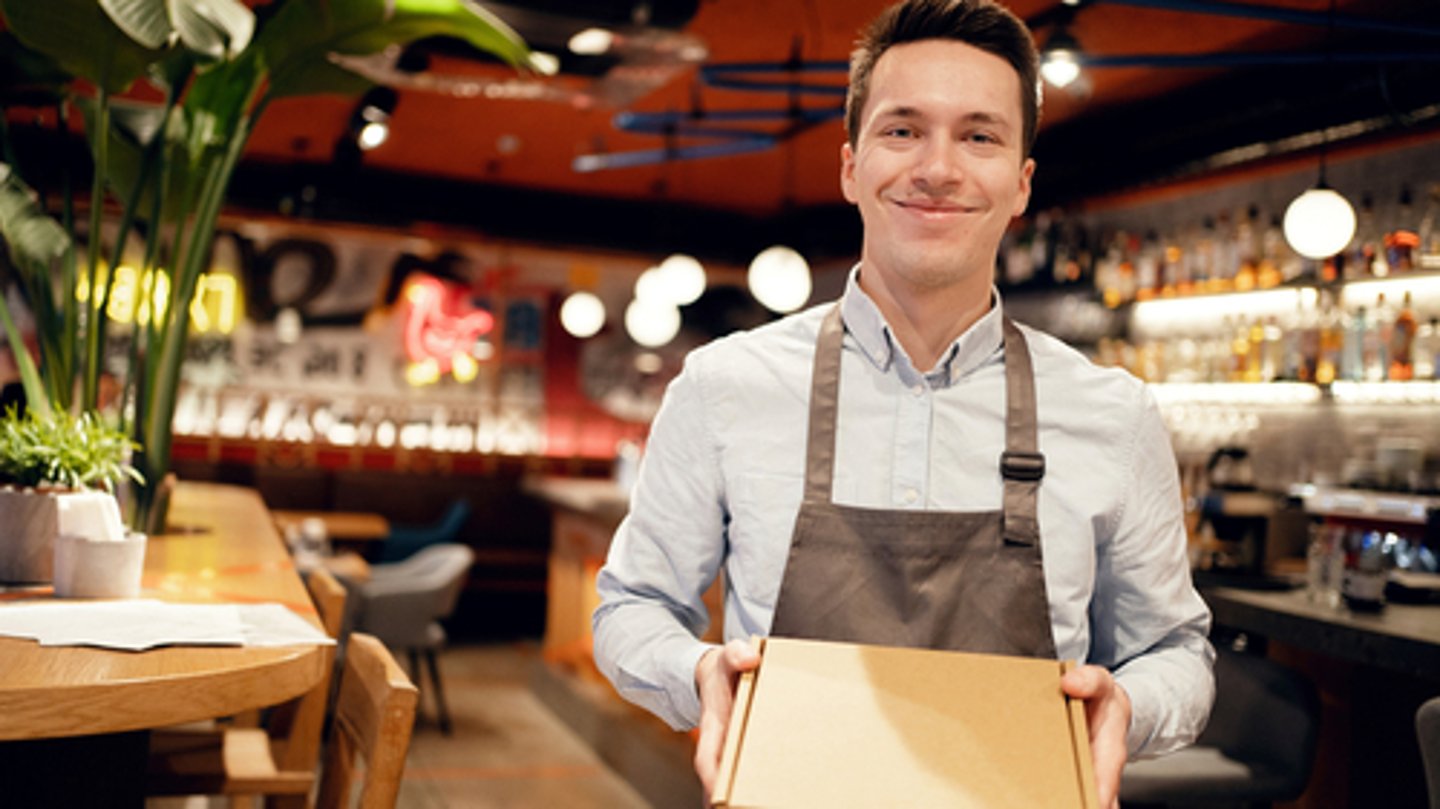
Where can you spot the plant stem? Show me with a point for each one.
(94, 310)
(156, 440)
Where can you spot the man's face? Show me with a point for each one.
(937, 170)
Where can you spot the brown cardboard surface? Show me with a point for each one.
(840, 725)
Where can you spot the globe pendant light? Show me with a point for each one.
(1319, 223)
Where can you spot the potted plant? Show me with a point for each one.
(46, 456)
(165, 165)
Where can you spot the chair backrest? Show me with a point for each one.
(402, 599)
(299, 722)
(405, 540)
(1264, 712)
(1427, 729)
(374, 715)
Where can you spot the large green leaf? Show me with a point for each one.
(297, 41)
(217, 29)
(34, 237)
(145, 21)
(81, 39)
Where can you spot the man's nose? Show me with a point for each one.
(940, 165)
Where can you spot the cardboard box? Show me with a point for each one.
(840, 725)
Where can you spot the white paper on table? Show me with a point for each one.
(138, 624)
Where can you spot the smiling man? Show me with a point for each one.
(962, 482)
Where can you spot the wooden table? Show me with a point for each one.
(342, 526)
(100, 701)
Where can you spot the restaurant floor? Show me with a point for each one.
(507, 750)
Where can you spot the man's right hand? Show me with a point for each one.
(715, 677)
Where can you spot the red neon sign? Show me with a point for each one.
(440, 322)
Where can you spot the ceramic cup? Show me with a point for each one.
(99, 568)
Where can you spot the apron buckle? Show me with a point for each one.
(1025, 466)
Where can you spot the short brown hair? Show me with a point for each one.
(984, 24)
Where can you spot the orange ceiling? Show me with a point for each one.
(466, 138)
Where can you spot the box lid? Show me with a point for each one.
(844, 725)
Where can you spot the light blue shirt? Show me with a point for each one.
(723, 477)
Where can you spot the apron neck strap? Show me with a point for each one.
(1021, 464)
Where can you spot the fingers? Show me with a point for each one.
(1107, 711)
(715, 677)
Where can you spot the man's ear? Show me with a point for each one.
(847, 172)
(1022, 200)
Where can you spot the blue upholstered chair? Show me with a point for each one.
(404, 540)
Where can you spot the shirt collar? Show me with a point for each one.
(867, 327)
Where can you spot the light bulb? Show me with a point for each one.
(1319, 223)
(582, 314)
(779, 278)
(1060, 67)
(684, 278)
(652, 323)
(591, 42)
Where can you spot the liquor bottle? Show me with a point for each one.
(1352, 356)
(1240, 351)
(1227, 254)
(1401, 243)
(1332, 340)
(1402, 342)
(1247, 251)
(1427, 349)
(1272, 354)
(1377, 340)
(1366, 245)
(1363, 582)
(1148, 277)
(1202, 269)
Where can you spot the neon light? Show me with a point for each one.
(441, 325)
(216, 307)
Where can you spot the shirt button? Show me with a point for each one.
(910, 496)
(918, 390)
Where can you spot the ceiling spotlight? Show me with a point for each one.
(591, 42)
(370, 124)
(779, 278)
(373, 134)
(1060, 62)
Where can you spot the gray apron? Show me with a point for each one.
(962, 581)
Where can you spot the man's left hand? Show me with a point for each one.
(1107, 711)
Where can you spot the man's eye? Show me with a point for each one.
(983, 137)
(899, 132)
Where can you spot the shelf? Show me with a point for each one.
(1399, 507)
(1295, 393)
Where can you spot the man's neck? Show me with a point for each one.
(925, 321)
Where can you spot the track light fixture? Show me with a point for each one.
(370, 124)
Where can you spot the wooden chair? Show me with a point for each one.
(277, 760)
(373, 717)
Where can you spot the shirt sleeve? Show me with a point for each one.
(1148, 623)
(664, 556)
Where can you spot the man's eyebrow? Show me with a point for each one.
(905, 112)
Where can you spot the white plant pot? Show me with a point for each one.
(29, 521)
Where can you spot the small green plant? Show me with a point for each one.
(73, 452)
